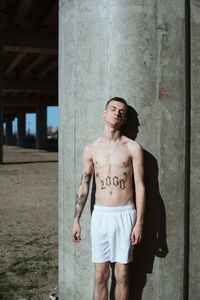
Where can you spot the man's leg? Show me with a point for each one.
(102, 273)
(121, 276)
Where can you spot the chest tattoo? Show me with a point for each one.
(115, 181)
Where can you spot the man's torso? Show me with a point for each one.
(113, 172)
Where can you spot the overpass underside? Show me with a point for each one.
(28, 66)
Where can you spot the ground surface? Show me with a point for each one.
(28, 224)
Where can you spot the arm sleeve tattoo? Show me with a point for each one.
(81, 196)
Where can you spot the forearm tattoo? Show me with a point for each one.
(85, 178)
(80, 203)
(81, 199)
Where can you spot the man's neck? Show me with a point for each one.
(110, 134)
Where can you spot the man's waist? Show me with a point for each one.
(100, 207)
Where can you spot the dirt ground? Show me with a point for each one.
(28, 224)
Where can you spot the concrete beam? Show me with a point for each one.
(42, 86)
(49, 68)
(18, 58)
(28, 42)
(17, 110)
(7, 115)
(32, 65)
(30, 102)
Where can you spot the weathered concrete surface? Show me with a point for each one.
(194, 271)
(132, 49)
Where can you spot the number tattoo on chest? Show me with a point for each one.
(108, 181)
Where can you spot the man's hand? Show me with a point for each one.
(76, 232)
(136, 234)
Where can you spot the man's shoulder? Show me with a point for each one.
(132, 145)
(91, 146)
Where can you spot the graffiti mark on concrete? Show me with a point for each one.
(163, 94)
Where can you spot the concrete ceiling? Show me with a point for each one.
(29, 41)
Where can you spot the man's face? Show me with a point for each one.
(115, 114)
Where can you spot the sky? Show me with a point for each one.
(52, 119)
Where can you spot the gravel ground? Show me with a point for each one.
(28, 224)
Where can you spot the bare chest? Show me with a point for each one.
(112, 171)
(117, 159)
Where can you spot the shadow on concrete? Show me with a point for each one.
(154, 240)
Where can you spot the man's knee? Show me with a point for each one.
(101, 278)
(121, 275)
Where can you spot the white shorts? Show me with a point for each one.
(110, 233)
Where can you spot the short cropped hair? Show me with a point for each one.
(119, 100)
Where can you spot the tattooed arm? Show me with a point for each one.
(82, 193)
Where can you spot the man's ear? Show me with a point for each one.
(103, 112)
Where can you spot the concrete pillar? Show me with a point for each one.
(194, 269)
(135, 50)
(21, 129)
(1, 105)
(41, 127)
(9, 130)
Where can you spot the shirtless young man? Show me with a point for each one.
(115, 229)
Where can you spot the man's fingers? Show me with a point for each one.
(73, 236)
(132, 237)
(79, 236)
(76, 237)
(137, 240)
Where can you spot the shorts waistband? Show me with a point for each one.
(100, 207)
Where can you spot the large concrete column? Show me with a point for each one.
(194, 270)
(21, 129)
(1, 105)
(41, 127)
(135, 50)
(9, 130)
